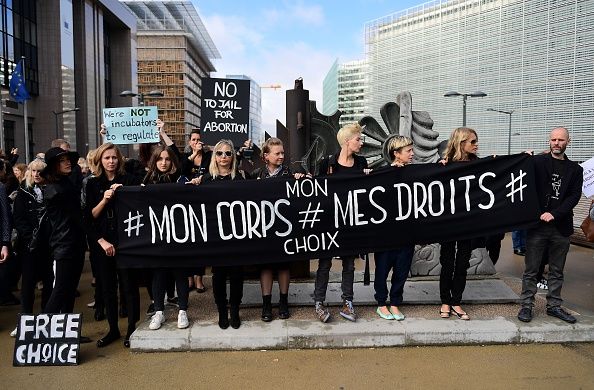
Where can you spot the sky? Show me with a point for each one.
(275, 42)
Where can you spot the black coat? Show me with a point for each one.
(64, 217)
(5, 217)
(26, 213)
(569, 193)
(328, 165)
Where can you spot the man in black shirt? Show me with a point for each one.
(559, 187)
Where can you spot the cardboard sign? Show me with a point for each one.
(588, 186)
(131, 125)
(225, 110)
(47, 340)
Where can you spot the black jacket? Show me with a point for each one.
(191, 171)
(569, 193)
(64, 217)
(5, 217)
(105, 225)
(328, 164)
(27, 212)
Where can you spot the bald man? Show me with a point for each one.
(559, 188)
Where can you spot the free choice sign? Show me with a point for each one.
(47, 340)
(225, 110)
(131, 125)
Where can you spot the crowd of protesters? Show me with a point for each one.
(60, 205)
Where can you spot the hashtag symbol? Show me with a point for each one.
(307, 214)
(512, 186)
(133, 223)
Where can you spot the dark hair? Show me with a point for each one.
(153, 175)
(195, 130)
(145, 152)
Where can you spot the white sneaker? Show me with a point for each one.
(13, 333)
(157, 320)
(182, 320)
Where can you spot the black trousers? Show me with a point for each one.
(67, 275)
(161, 280)
(219, 285)
(36, 266)
(454, 260)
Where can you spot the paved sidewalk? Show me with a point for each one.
(370, 331)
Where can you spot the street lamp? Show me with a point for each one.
(509, 134)
(60, 113)
(464, 97)
(141, 96)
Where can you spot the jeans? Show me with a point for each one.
(323, 275)
(519, 239)
(454, 260)
(160, 281)
(545, 238)
(399, 261)
(219, 285)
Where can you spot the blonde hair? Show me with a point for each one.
(91, 161)
(268, 144)
(454, 150)
(348, 132)
(99, 154)
(213, 168)
(38, 165)
(397, 143)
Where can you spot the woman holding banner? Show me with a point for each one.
(398, 260)
(345, 162)
(223, 167)
(194, 165)
(273, 155)
(455, 255)
(101, 229)
(163, 168)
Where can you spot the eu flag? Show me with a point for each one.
(18, 90)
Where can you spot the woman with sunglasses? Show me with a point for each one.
(398, 260)
(455, 255)
(223, 167)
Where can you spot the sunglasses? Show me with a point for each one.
(227, 153)
(473, 142)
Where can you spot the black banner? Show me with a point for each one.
(225, 110)
(47, 340)
(274, 220)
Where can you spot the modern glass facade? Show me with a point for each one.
(256, 132)
(344, 89)
(535, 57)
(18, 27)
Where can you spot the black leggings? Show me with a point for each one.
(219, 285)
(67, 276)
(36, 266)
(455, 260)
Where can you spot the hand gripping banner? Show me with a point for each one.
(275, 220)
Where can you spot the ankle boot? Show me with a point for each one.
(223, 317)
(235, 320)
(283, 307)
(266, 308)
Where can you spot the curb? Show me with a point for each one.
(365, 333)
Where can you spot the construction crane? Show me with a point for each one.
(272, 86)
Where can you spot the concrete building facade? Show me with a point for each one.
(531, 56)
(174, 53)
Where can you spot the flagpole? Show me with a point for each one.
(25, 118)
(2, 125)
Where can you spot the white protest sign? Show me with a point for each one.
(131, 125)
(588, 185)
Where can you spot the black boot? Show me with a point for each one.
(283, 307)
(235, 320)
(266, 308)
(223, 317)
(108, 339)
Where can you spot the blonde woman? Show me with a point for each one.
(223, 167)
(398, 260)
(345, 162)
(455, 255)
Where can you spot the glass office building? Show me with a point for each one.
(256, 133)
(534, 57)
(344, 89)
